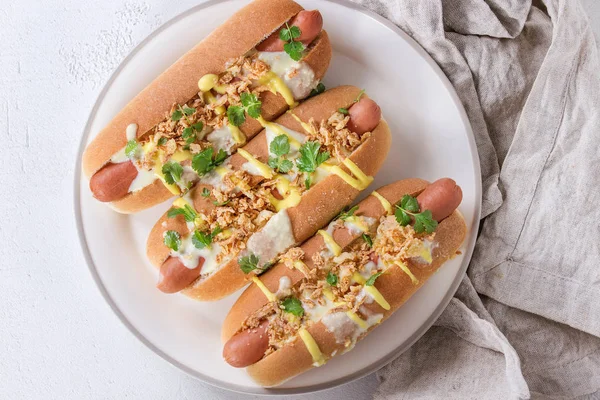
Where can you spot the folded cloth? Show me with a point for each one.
(526, 321)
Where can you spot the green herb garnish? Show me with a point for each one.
(318, 90)
(236, 115)
(176, 116)
(250, 263)
(332, 279)
(172, 240)
(373, 278)
(293, 306)
(222, 203)
(189, 110)
(343, 111)
(280, 146)
(172, 172)
(251, 104)
(344, 215)
(162, 141)
(409, 207)
(203, 162)
(201, 240)
(188, 213)
(205, 192)
(310, 157)
(307, 181)
(367, 239)
(131, 148)
(293, 48)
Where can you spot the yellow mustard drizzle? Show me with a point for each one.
(264, 169)
(210, 98)
(291, 195)
(360, 181)
(358, 222)
(300, 266)
(384, 202)
(270, 296)
(181, 155)
(237, 135)
(312, 347)
(351, 314)
(330, 243)
(372, 290)
(276, 85)
(407, 271)
(280, 131)
(307, 127)
(159, 174)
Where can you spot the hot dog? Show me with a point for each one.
(276, 192)
(329, 293)
(211, 96)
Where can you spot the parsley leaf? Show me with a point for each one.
(131, 148)
(251, 104)
(162, 141)
(188, 110)
(409, 207)
(198, 126)
(285, 166)
(248, 263)
(188, 213)
(294, 50)
(172, 172)
(236, 115)
(307, 182)
(332, 279)
(176, 116)
(318, 90)
(172, 240)
(344, 215)
(310, 157)
(205, 192)
(223, 203)
(201, 240)
(293, 306)
(280, 145)
(373, 278)
(343, 111)
(367, 239)
(189, 135)
(203, 162)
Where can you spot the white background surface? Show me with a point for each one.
(58, 338)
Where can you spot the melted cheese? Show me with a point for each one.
(210, 98)
(256, 167)
(332, 246)
(359, 181)
(312, 347)
(407, 271)
(270, 296)
(181, 155)
(356, 224)
(274, 130)
(384, 202)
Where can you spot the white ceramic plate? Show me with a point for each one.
(431, 139)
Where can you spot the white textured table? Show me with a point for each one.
(58, 338)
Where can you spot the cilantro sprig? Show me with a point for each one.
(250, 104)
(188, 213)
(280, 146)
(204, 162)
(293, 47)
(373, 278)
(367, 239)
(318, 90)
(172, 240)
(250, 263)
(409, 209)
(310, 156)
(172, 172)
(181, 112)
(200, 239)
(205, 192)
(293, 306)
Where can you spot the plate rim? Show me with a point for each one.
(393, 354)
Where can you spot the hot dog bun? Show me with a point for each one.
(395, 285)
(179, 83)
(318, 205)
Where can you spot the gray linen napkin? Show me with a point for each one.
(526, 321)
